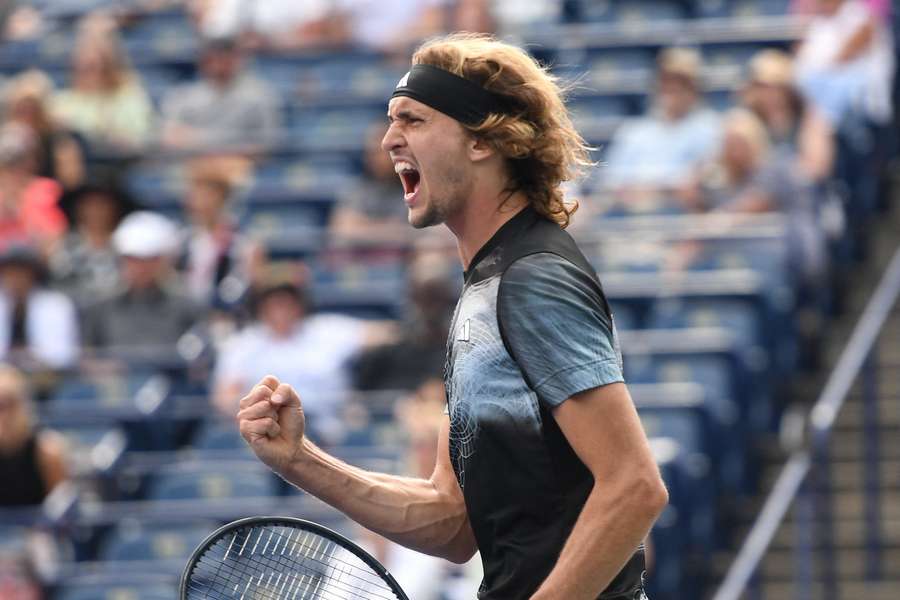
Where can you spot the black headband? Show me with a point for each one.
(455, 96)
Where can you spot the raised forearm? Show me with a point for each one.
(416, 513)
(610, 528)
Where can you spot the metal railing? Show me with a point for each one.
(795, 482)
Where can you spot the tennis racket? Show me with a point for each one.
(283, 558)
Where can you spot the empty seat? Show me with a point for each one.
(212, 481)
(219, 435)
(116, 590)
(133, 541)
(611, 64)
(628, 13)
(740, 8)
(739, 318)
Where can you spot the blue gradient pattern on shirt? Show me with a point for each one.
(531, 329)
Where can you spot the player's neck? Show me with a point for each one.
(480, 220)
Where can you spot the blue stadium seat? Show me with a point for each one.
(162, 37)
(316, 129)
(636, 14)
(731, 55)
(212, 481)
(117, 590)
(218, 435)
(739, 318)
(611, 64)
(625, 316)
(586, 108)
(671, 534)
(147, 541)
(683, 425)
(629, 13)
(740, 8)
(360, 287)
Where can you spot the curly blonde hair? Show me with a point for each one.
(536, 136)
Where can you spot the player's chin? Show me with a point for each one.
(421, 215)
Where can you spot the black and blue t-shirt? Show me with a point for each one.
(531, 329)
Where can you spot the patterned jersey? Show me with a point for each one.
(531, 329)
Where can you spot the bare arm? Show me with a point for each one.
(816, 146)
(51, 459)
(428, 515)
(859, 42)
(628, 495)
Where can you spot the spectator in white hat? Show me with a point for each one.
(146, 315)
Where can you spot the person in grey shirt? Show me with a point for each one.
(228, 107)
(144, 317)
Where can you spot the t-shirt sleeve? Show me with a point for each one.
(553, 320)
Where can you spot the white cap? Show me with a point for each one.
(145, 234)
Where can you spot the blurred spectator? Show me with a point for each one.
(145, 315)
(17, 579)
(796, 128)
(38, 326)
(845, 63)
(19, 21)
(473, 15)
(59, 155)
(513, 15)
(227, 108)
(308, 351)
(662, 149)
(29, 210)
(218, 262)
(281, 24)
(374, 208)
(106, 103)
(748, 177)
(393, 25)
(85, 263)
(31, 461)
(420, 352)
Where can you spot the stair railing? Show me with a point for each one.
(805, 476)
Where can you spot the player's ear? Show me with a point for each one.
(479, 149)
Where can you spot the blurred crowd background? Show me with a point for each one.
(193, 195)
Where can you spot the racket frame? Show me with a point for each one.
(297, 523)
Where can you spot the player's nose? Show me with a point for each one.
(392, 139)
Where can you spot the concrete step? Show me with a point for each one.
(849, 564)
(847, 533)
(849, 445)
(846, 590)
(848, 504)
(848, 475)
(851, 416)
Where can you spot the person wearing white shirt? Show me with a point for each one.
(38, 326)
(846, 61)
(310, 351)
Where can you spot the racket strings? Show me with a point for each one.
(267, 580)
(278, 585)
(265, 569)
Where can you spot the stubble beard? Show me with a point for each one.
(441, 208)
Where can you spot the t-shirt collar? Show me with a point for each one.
(507, 231)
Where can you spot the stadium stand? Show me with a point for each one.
(713, 313)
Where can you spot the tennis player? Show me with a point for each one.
(542, 463)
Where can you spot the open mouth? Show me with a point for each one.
(410, 178)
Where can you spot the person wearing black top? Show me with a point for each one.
(31, 463)
(543, 466)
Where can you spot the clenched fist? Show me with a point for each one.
(271, 420)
